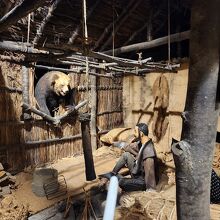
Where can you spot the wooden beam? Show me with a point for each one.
(151, 44)
(20, 47)
(55, 120)
(20, 11)
(80, 70)
(79, 27)
(69, 112)
(49, 118)
(46, 56)
(41, 28)
(70, 138)
(121, 22)
(110, 26)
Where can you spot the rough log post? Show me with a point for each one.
(25, 93)
(93, 112)
(87, 150)
(193, 155)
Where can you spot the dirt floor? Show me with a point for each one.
(74, 172)
(135, 205)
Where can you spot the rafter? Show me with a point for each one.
(121, 22)
(110, 26)
(20, 11)
(41, 28)
(78, 28)
(140, 30)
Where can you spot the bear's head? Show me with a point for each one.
(60, 83)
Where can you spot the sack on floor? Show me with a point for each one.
(118, 134)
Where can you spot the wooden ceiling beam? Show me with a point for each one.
(151, 44)
(20, 11)
(19, 47)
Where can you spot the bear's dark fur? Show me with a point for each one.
(52, 89)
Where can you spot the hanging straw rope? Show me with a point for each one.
(29, 23)
(168, 31)
(113, 31)
(170, 77)
(85, 32)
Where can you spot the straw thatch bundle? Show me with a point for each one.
(153, 205)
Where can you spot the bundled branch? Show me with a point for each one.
(133, 63)
(114, 66)
(54, 120)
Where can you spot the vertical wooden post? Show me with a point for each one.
(87, 150)
(193, 155)
(25, 92)
(93, 112)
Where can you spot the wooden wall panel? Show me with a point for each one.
(15, 134)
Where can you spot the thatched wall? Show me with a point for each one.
(16, 136)
(164, 112)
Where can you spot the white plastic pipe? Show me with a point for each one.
(111, 199)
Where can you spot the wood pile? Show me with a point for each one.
(7, 182)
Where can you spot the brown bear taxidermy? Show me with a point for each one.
(52, 89)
